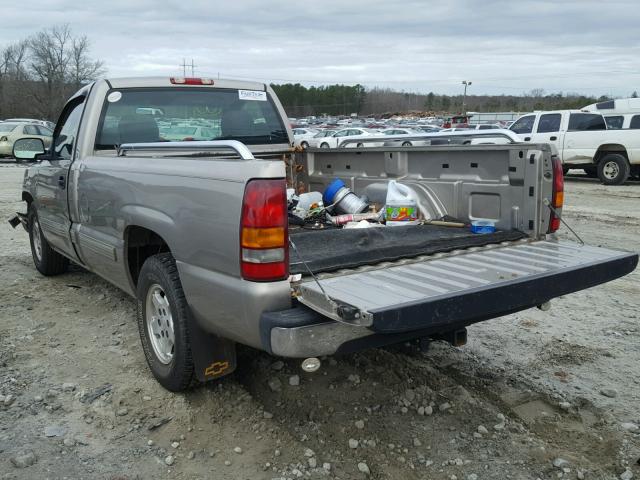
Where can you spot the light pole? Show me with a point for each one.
(466, 84)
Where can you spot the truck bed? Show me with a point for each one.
(332, 249)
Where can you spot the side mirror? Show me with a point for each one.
(28, 148)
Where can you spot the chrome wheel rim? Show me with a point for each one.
(610, 170)
(160, 324)
(37, 239)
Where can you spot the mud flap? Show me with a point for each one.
(213, 356)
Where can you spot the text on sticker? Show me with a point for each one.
(252, 95)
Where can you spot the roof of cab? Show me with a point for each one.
(140, 82)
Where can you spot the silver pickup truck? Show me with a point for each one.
(174, 190)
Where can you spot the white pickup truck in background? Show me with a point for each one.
(582, 140)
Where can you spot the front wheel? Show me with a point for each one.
(304, 145)
(407, 144)
(324, 145)
(47, 261)
(613, 169)
(163, 323)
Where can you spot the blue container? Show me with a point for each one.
(343, 199)
(483, 226)
(330, 193)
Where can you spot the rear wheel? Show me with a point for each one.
(613, 169)
(324, 145)
(163, 323)
(47, 261)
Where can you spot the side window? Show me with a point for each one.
(44, 131)
(524, 124)
(549, 122)
(614, 122)
(66, 132)
(635, 122)
(30, 130)
(580, 122)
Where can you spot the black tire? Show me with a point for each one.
(176, 374)
(324, 145)
(304, 145)
(613, 169)
(47, 261)
(407, 144)
(360, 145)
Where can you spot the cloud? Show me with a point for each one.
(502, 46)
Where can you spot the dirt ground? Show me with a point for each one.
(533, 395)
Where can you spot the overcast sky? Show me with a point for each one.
(591, 47)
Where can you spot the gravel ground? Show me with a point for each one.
(533, 395)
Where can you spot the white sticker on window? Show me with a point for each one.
(252, 95)
(114, 97)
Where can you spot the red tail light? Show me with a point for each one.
(557, 197)
(264, 236)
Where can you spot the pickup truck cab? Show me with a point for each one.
(582, 140)
(199, 231)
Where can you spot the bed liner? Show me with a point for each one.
(334, 249)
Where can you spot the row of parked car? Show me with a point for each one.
(13, 129)
(331, 137)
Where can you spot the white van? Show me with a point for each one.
(619, 114)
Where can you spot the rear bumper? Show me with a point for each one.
(301, 332)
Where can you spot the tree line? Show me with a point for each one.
(299, 100)
(39, 73)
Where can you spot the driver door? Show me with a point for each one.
(52, 180)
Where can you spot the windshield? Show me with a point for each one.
(7, 127)
(185, 114)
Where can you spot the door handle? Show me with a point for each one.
(553, 138)
(61, 182)
(526, 139)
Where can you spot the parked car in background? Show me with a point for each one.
(582, 140)
(317, 138)
(619, 114)
(334, 140)
(303, 135)
(12, 131)
(44, 123)
(485, 126)
(187, 133)
(429, 128)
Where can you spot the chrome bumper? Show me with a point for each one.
(314, 340)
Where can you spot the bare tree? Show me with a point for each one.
(60, 64)
(81, 68)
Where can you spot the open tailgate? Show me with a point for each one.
(464, 287)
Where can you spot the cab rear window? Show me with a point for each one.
(188, 114)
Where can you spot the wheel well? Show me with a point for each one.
(140, 244)
(604, 150)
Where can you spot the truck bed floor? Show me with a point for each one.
(334, 249)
